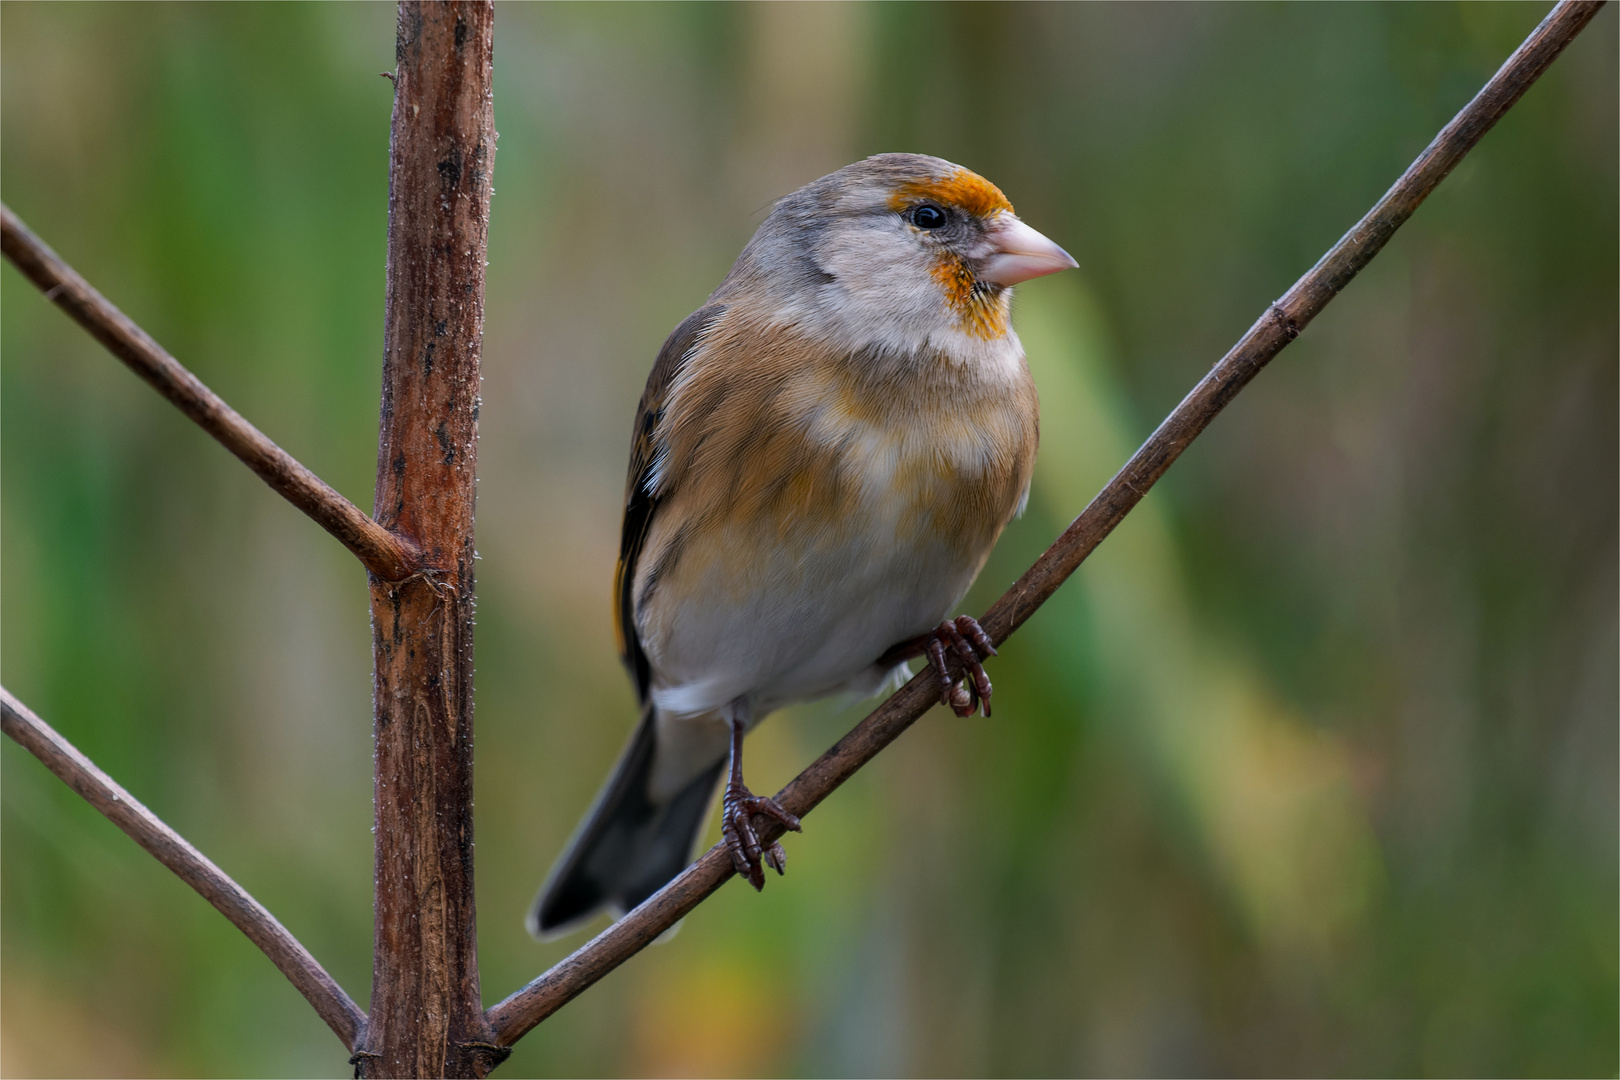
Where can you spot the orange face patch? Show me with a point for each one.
(980, 312)
(966, 190)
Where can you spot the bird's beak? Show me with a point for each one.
(1021, 253)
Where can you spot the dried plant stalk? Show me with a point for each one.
(427, 1017)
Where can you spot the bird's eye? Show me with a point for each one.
(928, 216)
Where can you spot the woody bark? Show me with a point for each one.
(426, 1012)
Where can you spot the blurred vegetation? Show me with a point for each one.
(1311, 770)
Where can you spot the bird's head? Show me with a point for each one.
(902, 248)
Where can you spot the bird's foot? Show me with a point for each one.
(748, 855)
(967, 640)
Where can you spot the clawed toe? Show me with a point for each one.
(748, 855)
(967, 640)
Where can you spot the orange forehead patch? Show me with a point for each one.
(966, 190)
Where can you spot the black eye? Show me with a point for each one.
(928, 216)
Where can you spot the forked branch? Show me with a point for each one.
(341, 1014)
(383, 553)
(1279, 325)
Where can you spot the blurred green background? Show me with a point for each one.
(1311, 770)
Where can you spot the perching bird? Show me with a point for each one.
(825, 454)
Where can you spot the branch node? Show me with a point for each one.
(1289, 328)
(358, 1056)
(444, 590)
(492, 1053)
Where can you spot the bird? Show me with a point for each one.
(823, 457)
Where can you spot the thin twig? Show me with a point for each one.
(1280, 324)
(384, 554)
(341, 1014)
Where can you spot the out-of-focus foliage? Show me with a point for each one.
(1311, 770)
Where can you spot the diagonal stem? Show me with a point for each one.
(341, 1014)
(1280, 324)
(390, 557)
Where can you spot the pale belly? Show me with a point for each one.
(801, 622)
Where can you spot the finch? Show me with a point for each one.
(824, 455)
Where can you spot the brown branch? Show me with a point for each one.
(427, 1016)
(388, 556)
(1279, 325)
(341, 1014)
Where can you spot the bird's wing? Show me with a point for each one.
(640, 500)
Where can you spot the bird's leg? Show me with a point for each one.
(737, 807)
(967, 640)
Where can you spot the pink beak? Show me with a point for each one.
(1021, 253)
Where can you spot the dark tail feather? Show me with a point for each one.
(627, 848)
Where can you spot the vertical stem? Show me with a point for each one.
(426, 1012)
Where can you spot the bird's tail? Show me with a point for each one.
(628, 847)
